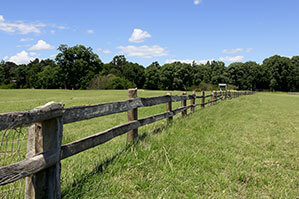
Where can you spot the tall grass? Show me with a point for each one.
(241, 148)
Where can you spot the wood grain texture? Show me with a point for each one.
(78, 113)
(14, 119)
(16, 171)
(42, 137)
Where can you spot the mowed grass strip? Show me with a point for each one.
(241, 148)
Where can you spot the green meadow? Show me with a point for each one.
(246, 147)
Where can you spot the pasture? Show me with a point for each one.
(241, 148)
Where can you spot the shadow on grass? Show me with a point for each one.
(78, 185)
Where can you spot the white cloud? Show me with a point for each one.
(232, 51)
(6, 57)
(249, 50)
(20, 27)
(33, 54)
(90, 31)
(196, 2)
(61, 27)
(53, 56)
(41, 45)
(26, 39)
(139, 35)
(232, 59)
(188, 61)
(52, 32)
(104, 51)
(21, 58)
(143, 51)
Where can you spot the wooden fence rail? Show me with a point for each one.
(44, 150)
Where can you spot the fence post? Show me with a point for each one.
(45, 136)
(192, 101)
(169, 108)
(202, 99)
(132, 115)
(184, 103)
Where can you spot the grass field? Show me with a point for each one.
(241, 148)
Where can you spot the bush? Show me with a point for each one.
(110, 82)
(120, 83)
(8, 86)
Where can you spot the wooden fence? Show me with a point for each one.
(41, 168)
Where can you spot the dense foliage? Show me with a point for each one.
(78, 67)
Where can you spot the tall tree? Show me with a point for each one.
(78, 65)
(152, 76)
(280, 69)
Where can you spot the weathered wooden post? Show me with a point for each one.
(132, 115)
(169, 108)
(184, 103)
(202, 99)
(42, 137)
(192, 101)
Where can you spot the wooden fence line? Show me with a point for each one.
(44, 150)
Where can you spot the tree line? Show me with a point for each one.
(78, 67)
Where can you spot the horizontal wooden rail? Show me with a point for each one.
(16, 171)
(48, 111)
(78, 113)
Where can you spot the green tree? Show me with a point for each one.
(134, 73)
(293, 79)
(280, 69)
(152, 76)
(176, 76)
(50, 78)
(78, 65)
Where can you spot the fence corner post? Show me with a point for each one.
(132, 115)
(169, 108)
(184, 103)
(192, 101)
(202, 99)
(45, 136)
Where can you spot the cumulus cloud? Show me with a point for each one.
(21, 58)
(249, 50)
(26, 39)
(90, 31)
(143, 51)
(104, 51)
(33, 54)
(41, 45)
(196, 2)
(5, 58)
(188, 61)
(139, 35)
(232, 51)
(232, 59)
(20, 27)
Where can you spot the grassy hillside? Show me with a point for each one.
(241, 148)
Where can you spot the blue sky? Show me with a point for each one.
(152, 30)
